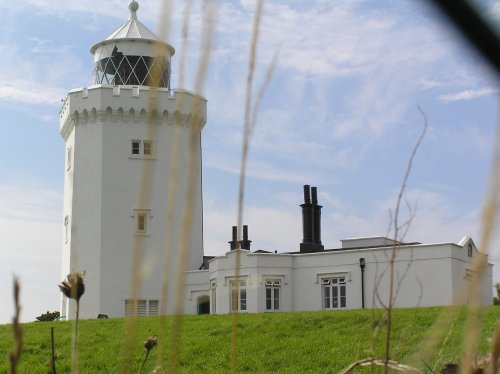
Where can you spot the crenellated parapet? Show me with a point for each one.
(131, 104)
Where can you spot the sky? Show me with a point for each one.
(340, 113)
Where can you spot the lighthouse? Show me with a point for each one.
(129, 138)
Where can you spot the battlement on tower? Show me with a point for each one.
(131, 104)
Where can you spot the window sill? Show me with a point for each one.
(142, 157)
(142, 234)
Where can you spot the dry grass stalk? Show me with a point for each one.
(394, 365)
(137, 278)
(397, 237)
(74, 288)
(487, 364)
(149, 344)
(15, 354)
(172, 189)
(479, 265)
(494, 364)
(193, 165)
(250, 119)
(143, 200)
(53, 356)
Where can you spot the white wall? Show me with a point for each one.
(109, 185)
(424, 275)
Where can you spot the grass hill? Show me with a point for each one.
(305, 342)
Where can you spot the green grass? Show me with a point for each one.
(308, 342)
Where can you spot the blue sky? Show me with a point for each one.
(340, 114)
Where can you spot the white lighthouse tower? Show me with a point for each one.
(119, 135)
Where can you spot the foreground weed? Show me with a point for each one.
(149, 344)
(74, 288)
(15, 355)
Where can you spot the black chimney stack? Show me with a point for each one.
(311, 221)
(234, 243)
(316, 216)
(307, 219)
(245, 243)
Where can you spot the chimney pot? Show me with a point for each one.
(233, 244)
(307, 194)
(245, 243)
(314, 193)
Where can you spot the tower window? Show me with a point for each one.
(141, 148)
(141, 223)
(136, 147)
(153, 307)
(141, 307)
(68, 158)
(66, 228)
(147, 147)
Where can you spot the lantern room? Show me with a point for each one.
(132, 55)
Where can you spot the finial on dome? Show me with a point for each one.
(133, 6)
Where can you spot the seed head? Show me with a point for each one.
(150, 342)
(73, 286)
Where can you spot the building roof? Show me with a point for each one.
(133, 29)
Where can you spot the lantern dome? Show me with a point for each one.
(132, 55)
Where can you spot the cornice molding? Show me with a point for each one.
(84, 117)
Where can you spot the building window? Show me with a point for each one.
(273, 287)
(238, 296)
(153, 307)
(469, 250)
(213, 297)
(334, 293)
(68, 158)
(141, 223)
(147, 147)
(66, 228)
(141, 148)
(144, 307)
(136, 147)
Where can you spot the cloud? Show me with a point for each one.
(46, 69)
(469, 94)
(430, 84)
(30, 217)
(279, 227)
(494, 10)
(21, 91)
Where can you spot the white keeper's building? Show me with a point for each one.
(129, 137)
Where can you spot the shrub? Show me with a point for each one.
(49, 316)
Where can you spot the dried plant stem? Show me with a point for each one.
(143, 200)
(74, 351)
(494, 364)
(247, 131)
(394, 365)
(15, 354)
(144, 361)
(194, 148)
(395, 247)
(173, 184)
(144, 197)
(187, 224)
(53, 356)
(480, 263)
